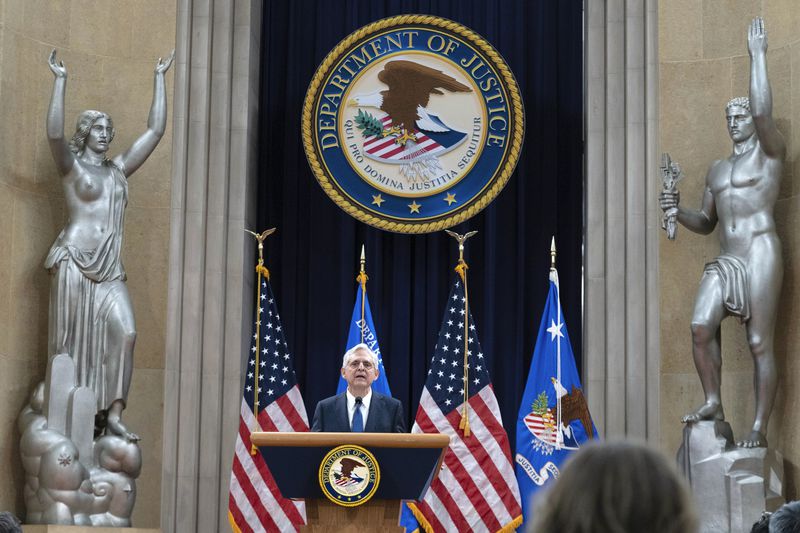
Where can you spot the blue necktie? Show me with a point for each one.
(358, 420)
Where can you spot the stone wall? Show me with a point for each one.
(703, 62)
(109, 49)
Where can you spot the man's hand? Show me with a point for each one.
(757, 37)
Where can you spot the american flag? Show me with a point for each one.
(387, 150)
(255, 503)
(476, 489)
(347, 481)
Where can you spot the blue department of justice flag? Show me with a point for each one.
(554, 417)
(370, 338)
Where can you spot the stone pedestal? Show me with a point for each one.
(72, 478)
(731, 486)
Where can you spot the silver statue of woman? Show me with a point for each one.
(745, 280)
(91, 316)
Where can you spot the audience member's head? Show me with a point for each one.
(762, 526)
(618, 487)
(786, 519)
(9, 523)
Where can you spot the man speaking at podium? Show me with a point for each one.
(359, 408)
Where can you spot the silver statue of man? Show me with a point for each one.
(745, 280)
(91, 316)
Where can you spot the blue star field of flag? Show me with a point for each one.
(445, 381)
(270, 362)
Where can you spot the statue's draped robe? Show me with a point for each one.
(735, 289)
(87, 293)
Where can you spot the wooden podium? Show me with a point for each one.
(408, 464)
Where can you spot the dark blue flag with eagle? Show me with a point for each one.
(553, 418)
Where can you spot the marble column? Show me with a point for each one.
(621, 335)
(213, 190)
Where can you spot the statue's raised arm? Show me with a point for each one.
(140, 150)
(771, 140)
(62, 155)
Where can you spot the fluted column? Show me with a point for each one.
(621, 341)
(213, 184)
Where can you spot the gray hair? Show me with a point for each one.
(619, 487)
(349, 354)
(786, 519)
(85, 121)
(739, 101)
(9, 523)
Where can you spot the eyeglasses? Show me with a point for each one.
(355, 364)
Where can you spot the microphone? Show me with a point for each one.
(358, 400)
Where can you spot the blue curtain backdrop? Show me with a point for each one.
(313, 258)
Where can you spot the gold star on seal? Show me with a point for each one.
(450, 199)
(377, 199)
(414, 206)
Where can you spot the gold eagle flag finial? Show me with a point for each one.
(261, 237)
(461, 240)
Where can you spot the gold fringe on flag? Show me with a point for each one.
(423, 522)
(426, 526)
(511, 526)
(232, 522)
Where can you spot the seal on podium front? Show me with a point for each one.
(349, 475)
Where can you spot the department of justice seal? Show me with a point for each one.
(349, 475)
(413, 124)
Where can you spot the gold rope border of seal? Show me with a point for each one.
(508, 165)
(327, 459)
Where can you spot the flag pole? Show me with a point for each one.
(261, 271)
(554, 275)
(461, 268)
(362, 279)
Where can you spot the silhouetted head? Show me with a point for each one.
(9, 523)
(618, 487)
(786, 519)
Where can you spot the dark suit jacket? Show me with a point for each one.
(385, 415)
